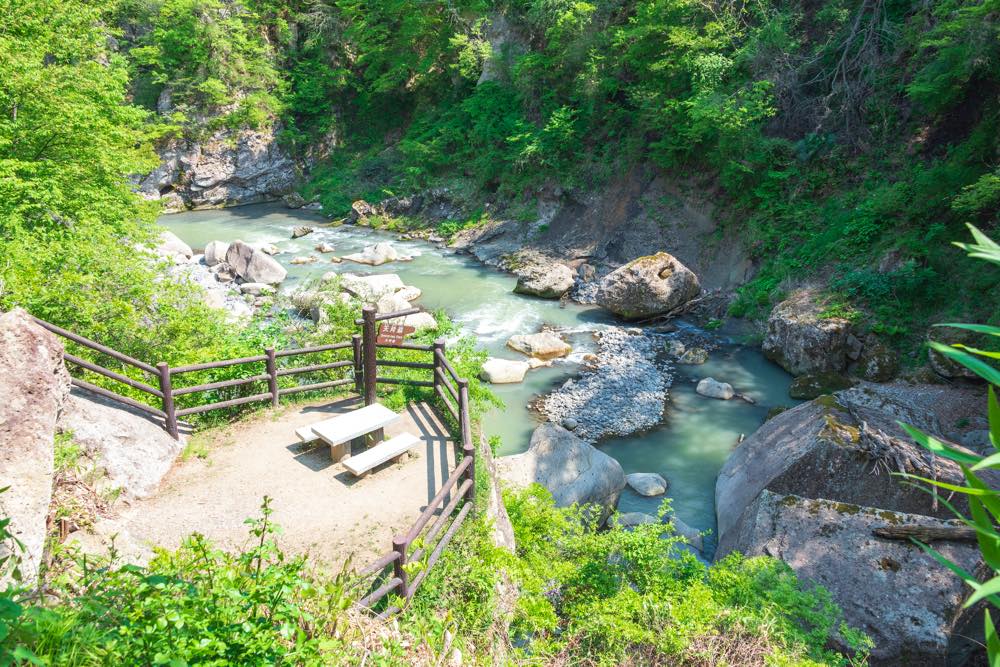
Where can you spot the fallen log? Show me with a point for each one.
(927, 533)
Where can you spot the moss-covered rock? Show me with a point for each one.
(814, 385)
(648, 286)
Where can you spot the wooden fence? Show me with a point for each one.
(426, 540)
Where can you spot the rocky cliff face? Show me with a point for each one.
(229, 168)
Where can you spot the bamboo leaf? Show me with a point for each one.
(989, 541)
(992, 641)
(977, 366)
(938, 447)
(952, 487)
(993, 410)
(977, 351)
(979, 328)
(989, 498)
(983, 591)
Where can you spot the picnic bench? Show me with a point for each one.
(340, 431)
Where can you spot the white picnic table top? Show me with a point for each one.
(346, 427)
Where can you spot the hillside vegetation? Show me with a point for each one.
(847, 141)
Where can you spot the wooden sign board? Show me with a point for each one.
(392, 334)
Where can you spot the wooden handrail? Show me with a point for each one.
(218, 364)
(86, 342)
(238, 382)
(390, 316)
(107, 393)
(432, 506)
(294, 351)
(314, 368)
(100, 370)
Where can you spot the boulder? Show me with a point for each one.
(647, 483)
(377, 255)
(215, 252)
(325, 248)
(34, 385)
(544, 345)
(692, 535)
(504, 371)
(305, 259)
(254, 266)
(685, 354)
(648, 286)
(572, 470)
(132, 450)
(941, 364)
(392, 303)
(361, 210)
(409, 293)
(293, 200)
(368, 288)
(828, 449)
(801, 339)
(813, 385)
(171, 247)
(266, 248)
(538, 275)
(877, 362)
(257, 289)
(908, 603)
(712, 388)
(301, 230)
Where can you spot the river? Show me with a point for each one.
(687, 449)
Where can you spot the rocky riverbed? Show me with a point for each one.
(623, 391)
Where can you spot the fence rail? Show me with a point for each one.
(450, 506)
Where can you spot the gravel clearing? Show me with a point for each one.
(624, 391)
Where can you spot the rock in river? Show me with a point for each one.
(254, 266)
(376, 255)
(544, 345)
(802, 339)
(215, 252)
(504, 371)
(572, 470)
(647, 483)
(171, 247)
(648, 286)
(541, 276)
(712, 388)
(301, 230)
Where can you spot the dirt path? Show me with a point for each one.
(322, 508)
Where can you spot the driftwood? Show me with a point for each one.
(927, 533)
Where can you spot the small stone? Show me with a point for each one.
(570, 424)
(647, 484)
(336, 260)
(266, 248)
(294, 200)
(853, 347)
(305, 260)
(693, 356)
(325, 247)
(545, 345)
(712, 388)
(301, 230)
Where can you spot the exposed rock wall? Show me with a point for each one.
(226, 169)
(33, 386)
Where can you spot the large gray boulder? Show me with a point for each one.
(133, 451)
(33, 387)
(254, 266)
(909, 604)
(504, 371)
(538, 275)
(170, 246)
(801, 339)
(215, 252)
(648, 286)
(943, 365)
(826, 449)
(572, 470)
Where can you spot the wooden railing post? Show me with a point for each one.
(170, 418)
(465, 424)
(359, 371)
(368, 348)
(272, 376)
(399, 545)
(438, 371)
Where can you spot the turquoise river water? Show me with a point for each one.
(687, 449)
